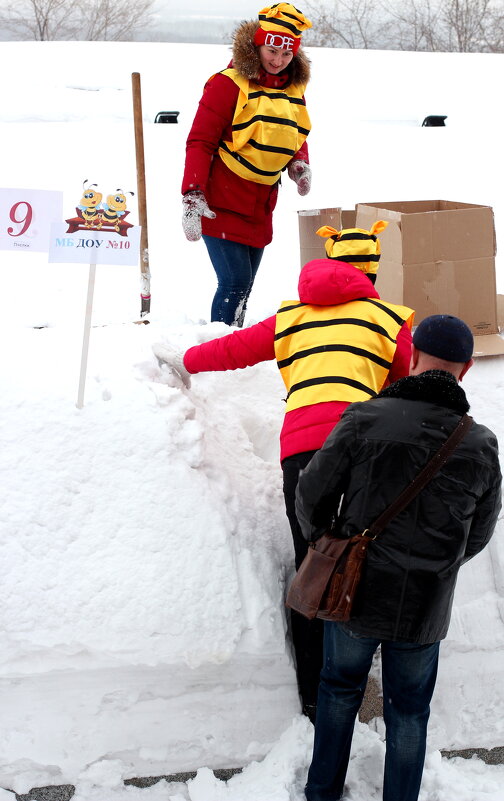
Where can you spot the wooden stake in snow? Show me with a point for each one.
(142, 199)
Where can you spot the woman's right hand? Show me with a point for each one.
(194, 207)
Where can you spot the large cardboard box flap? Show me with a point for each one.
(489, 345)
(433, 230)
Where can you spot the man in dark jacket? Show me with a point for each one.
(406, 592)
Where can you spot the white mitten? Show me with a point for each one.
(300, 172)
(174, 358)
(194, 207)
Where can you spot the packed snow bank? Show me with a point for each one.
(282, 774)
(146, 552)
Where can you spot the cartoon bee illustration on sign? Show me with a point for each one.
(115, 208)
(90, 206)
(93, 215)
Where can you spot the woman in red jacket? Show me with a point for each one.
(339, 343)
(251, 124)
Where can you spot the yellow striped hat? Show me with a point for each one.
(281, 26)
(355, 246)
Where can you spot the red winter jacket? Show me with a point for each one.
(306, 428)
(244, 208)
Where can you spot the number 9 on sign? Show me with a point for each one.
(26, 216)
(21, 213)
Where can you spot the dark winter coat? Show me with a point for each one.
(244, 208)
(378, 447)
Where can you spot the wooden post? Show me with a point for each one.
(142, 198)
(85, 338)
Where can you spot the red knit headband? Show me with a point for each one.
(276, 39)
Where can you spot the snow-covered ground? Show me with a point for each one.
(145, 547)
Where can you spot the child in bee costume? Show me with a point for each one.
(337, 344)
(251, 124)
(355, 246)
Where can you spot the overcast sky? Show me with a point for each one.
(239, 9)
(201, 20)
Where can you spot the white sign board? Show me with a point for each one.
(94, 247)
(26, 216)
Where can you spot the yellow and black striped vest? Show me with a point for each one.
(336, 353)
(269, 126)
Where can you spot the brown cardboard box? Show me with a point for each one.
(311, 246)
(438, 258)
(500, 311)
(310, 220)
(348, 218)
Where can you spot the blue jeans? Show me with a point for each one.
(235, 266)
(409, 674)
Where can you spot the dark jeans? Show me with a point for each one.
(409, 675)
(307, 635)
(235, 266)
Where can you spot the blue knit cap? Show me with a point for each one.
(445, 337)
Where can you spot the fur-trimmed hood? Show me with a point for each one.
(246, 57)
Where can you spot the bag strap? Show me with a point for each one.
(431, 468)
